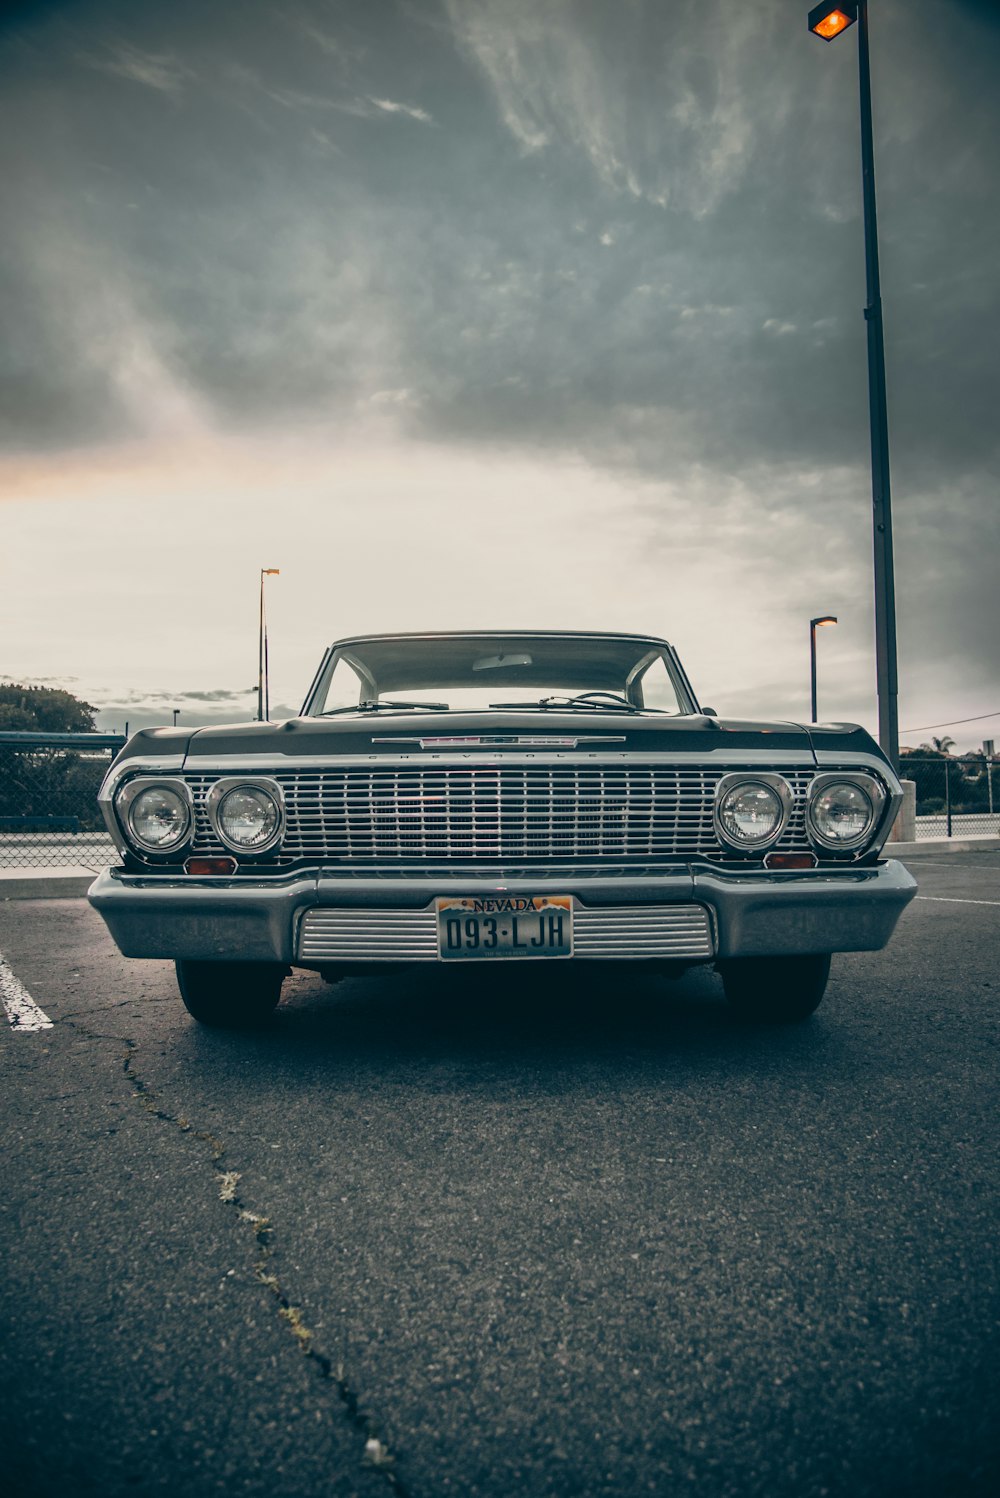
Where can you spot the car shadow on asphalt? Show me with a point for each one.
(415, 1023)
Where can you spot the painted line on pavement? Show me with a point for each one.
(20, 1008)
(952, 900)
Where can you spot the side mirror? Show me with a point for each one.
(709, 712)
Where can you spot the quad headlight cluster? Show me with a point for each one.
(841, 815)
(157, 815)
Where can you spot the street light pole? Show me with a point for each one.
(885, 587)
(263, 693)
(813, 623)
(828, 21)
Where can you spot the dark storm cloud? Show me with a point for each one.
(633, 230)
(626, 229)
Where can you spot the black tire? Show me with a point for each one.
(230, 995)
(775, 990)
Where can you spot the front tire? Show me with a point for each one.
(775, 990)
(230, 995)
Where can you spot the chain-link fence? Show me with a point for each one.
(956, 797)
(48, 799)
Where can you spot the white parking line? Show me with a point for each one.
(20, 1008)
(951, 900)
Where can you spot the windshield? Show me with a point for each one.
(479, 671)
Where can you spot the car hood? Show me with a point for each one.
(496, 732)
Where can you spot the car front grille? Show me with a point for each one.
(528, 813)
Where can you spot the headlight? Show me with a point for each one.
(843, 810)
(247, 815)
(751, 810)
(155, 814)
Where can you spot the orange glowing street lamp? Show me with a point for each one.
(828, 21)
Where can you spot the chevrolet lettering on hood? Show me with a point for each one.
(503, 740)
(501, 797)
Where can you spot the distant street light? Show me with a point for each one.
(814, 624)
(263, 686)
(176, 711)
(828, 21)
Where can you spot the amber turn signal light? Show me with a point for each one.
(781, 861)
(210, 866)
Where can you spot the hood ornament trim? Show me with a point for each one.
(504, 741)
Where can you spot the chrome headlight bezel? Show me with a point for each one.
(863, 782)
(741, 779)
(263, 785)
(130, 792)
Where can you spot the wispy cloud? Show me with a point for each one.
(562, 76)
(161, 71)
(390, 106)
(217, 694)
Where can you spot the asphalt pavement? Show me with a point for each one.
(504, 1233)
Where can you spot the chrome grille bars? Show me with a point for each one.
(537, 812)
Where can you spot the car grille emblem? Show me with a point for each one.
(504, 741)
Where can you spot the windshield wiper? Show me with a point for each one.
(609, 702)
(383, 706)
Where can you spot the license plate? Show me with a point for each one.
(504, 926)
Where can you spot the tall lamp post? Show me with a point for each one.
(263, 691)
(828, 21)
(813, 626)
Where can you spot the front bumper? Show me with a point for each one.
(747, 913)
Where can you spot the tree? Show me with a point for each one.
(938, 746)
(47, 785)
(43, 710)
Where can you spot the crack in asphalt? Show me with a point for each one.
(376, 1455)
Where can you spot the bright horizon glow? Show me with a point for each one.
(407, 536)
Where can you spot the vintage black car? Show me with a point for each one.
(490, 797)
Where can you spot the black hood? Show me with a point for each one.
(719, 739)
(391, 733)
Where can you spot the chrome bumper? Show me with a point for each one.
(660, 912)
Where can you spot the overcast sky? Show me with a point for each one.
(477, 313)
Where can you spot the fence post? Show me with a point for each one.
(904, 828)
(947, 796)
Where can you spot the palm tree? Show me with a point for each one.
(938, 746)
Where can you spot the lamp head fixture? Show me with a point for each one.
(829, 20)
